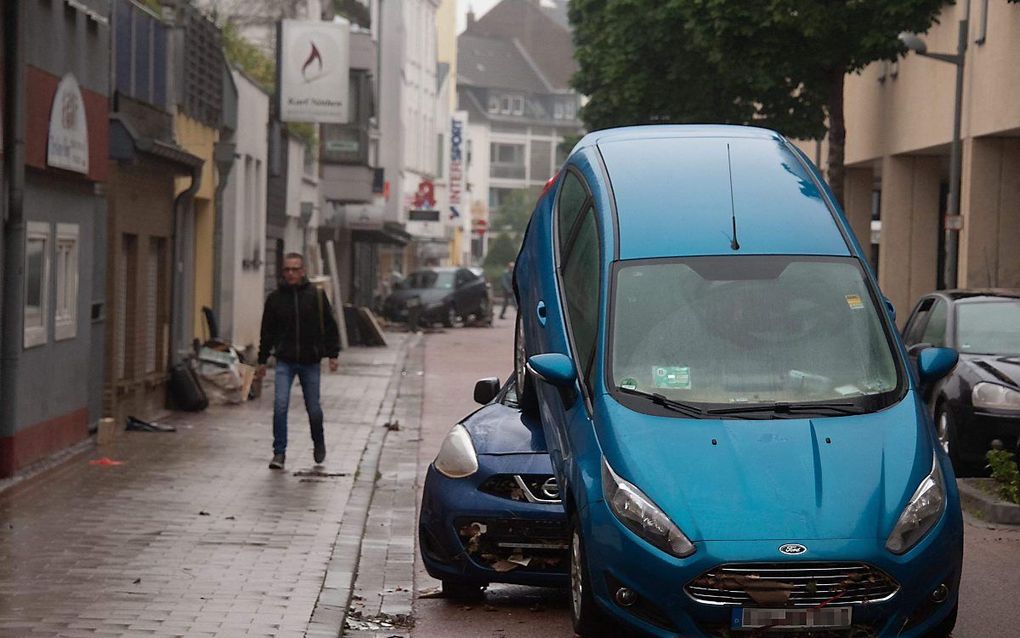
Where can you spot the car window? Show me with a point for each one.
(581, 290)
(572, 198)
(935, 331)
(917, 322)
(430, 279)
(989, 327)
(750, 329)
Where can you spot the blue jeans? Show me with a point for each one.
(308, 374)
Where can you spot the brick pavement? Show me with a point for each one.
(193, 535)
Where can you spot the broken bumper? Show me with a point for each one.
(618, 558)
(469, 536)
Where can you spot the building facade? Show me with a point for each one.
(56, 68)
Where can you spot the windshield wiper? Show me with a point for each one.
(791, 408)
(658, 399)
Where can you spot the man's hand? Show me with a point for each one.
(334, 365)
(260, 371)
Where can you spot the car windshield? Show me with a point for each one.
(745, 330)
(991, 327)
(430, 279)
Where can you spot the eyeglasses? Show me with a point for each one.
(291, 269)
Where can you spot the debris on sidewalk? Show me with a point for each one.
(393, 426)
(105, 461)
(137, 425)
(319, 473)
(355, 621)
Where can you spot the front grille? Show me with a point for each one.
(532, 488)
(800, 584)
(506, 544)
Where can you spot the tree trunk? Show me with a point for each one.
(837, 135)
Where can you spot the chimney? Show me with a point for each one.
(470, 18)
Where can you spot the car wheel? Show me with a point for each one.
(527, 400)
(945, 430)
(588, 620)
(462, 591)
(944, 628)
(484, 312)
(450, 317)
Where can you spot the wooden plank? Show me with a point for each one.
(334, 276)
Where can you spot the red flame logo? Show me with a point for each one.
(314, 56)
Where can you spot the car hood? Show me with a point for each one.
(775, 479)
(995, 368)
(498, 429)
(427, 295)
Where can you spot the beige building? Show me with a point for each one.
(899, 121)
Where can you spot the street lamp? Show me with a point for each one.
(953, 221)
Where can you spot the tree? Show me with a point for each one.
(780, 63)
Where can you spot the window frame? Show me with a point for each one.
(65, 318)
(37, 335)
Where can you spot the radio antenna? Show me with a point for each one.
(734, 244)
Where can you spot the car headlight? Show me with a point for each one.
(921, 513)
(457, 458)
(995, 396)
(642, 516)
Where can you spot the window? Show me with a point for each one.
(66, 314)
(505, 106)
(581, 292)
(558, 110)
(507, 161)
(37, 276)
(517, 104)
(572, 197)
(493, 104)
(916, 323)
(935, 331)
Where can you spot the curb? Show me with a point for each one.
(988, 508)
(333, 604)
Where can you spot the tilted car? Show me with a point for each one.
(978, 403)
(440, 295)
(739, 445)
(491, 511)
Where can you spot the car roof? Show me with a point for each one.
(977, 295)
(678, 188)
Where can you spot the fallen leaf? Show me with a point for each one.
(105, 462)
(203, 513)
(136, 581)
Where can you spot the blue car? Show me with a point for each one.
(491, 509)
(740, 446)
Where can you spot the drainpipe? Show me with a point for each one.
(182, 203)
(223, 155)
(13, 245)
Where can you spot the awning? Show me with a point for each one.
(126, 144)
(387, 233)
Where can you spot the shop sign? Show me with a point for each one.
(314, 67)
(68, 145)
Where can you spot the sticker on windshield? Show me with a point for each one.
(630, 383)
(854, 301)
(672, 377)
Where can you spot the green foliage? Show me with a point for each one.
(355, 11)
(1004, 470)
(512, 215)
(249, 58)
(502, 249)
(305, 132)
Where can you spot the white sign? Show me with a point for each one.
(68, 145)
(314, 65)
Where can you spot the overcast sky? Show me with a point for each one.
(479, 6)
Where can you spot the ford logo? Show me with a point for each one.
(792, 549)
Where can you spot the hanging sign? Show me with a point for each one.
(68, 145)
(314, 66)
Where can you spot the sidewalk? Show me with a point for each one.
(192, 535)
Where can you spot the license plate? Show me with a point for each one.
(753, 618)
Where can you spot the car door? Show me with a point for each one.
(462, 291)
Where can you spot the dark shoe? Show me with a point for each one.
(277, 462)
(320, 453)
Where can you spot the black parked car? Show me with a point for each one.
(979, 401)
(440, 295)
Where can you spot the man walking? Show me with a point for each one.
(299, 329)
(506, 283)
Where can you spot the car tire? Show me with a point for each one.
(450, 316)
(462, 591)
(945, 628)
(484, 312)
(527, 398)
(948, 439)
(588, 620)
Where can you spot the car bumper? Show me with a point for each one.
(978, 428)
(664, 608)
(451, 506)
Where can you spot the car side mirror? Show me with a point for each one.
(557, 369)
(486, 389)
(935, 363)
(891, 309)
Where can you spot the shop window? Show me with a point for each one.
(37, 275)
(66, 312)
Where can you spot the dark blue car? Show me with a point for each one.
(491, 509)
(728, 407)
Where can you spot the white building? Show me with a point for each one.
(244, 219)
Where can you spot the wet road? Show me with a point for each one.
(456, 358)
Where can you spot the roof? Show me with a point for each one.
(548, 43)
(495, 63)
(980, 294)
(678, 188)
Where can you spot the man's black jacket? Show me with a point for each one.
(298, 325)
